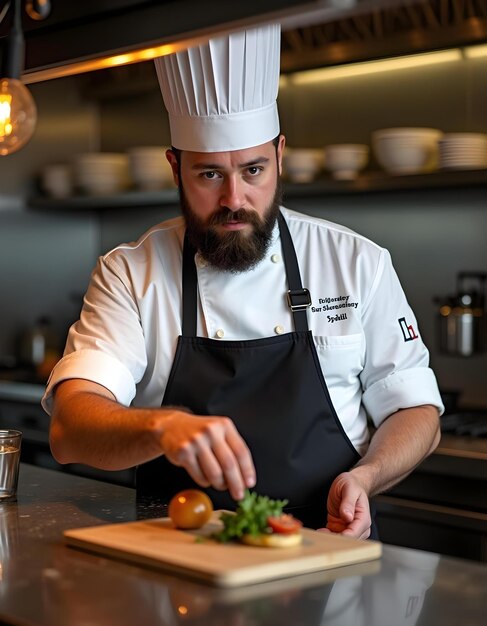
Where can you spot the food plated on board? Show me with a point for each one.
(257, 521)
(229, 549)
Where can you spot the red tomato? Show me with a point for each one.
(190, 508)
(284, 524)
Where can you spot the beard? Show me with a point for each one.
(234, 251)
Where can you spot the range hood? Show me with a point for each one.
(391, 30)
(78, 33)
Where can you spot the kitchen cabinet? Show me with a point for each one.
(442, 505)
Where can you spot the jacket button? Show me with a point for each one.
(220, 333)
(275, 258)
(278, 330)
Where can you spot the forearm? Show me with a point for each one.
(88, 426)
(92, 428)
(399, 445)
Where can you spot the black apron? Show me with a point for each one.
(274, 391)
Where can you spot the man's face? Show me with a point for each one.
(230, 201)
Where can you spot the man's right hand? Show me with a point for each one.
(210, 449)
(89, 426)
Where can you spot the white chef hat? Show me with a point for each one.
(221, 95)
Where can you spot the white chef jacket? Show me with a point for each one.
(366, 336)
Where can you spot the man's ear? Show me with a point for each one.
(173, 162)
(280, 152)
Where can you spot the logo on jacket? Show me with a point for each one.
(408, 331)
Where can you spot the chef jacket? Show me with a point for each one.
(367, 338)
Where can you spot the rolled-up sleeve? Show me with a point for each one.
(396, 373)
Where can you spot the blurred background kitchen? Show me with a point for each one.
(83, 184)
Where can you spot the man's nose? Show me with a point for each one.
(232, 194)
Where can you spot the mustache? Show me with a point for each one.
(225, 215)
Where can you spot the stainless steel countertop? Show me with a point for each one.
(45, 583)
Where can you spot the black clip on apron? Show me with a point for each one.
(274, 391)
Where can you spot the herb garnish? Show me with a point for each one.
(250, 517)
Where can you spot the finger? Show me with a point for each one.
(217, 460)
(366, 534)
(351, 532)
(211, 468)
(232, 474)
(187, 459)
(196, 472)
(348, 505)
(242, 454)
(336, 526)
(359, 527)
(235, 469)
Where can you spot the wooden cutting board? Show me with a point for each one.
(158, 544)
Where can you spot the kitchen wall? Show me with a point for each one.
(432, 234)
(45, 257)
(450, 95)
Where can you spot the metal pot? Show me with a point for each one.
(462, 317)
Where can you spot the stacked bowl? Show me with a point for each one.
(407, 150)
(149, 167)
(463, 151)
(100, 173)
(57, 180)
(302, 165)
(345, 160)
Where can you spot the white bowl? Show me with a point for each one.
(407, 150)
(149, 167)
(97, 160)
(409, 132)
(57, 180)
(102, 173)
(345, 160)
(301, 165)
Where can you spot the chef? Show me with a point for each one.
(244, 345)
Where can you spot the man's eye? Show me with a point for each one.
(254, 170)
(209, 175)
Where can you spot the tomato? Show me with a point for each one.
(284, 524)
(190, 508)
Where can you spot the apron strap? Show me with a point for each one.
(298, 298)
(190, 289)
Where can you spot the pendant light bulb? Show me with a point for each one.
(18, 115)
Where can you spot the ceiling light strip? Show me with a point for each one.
(82, 67)
(372, 67)
(474, 52)
(296, 78)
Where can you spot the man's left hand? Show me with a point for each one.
(348, 508)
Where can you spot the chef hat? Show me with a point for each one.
(221, 95)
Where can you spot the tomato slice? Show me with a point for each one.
(284, 524)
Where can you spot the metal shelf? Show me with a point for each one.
(128, 199)
(370, 182)
(373, 182)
